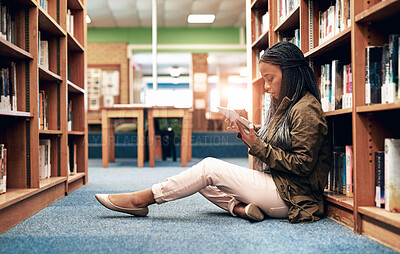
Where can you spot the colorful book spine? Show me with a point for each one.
(393, 67)
(373, 74)
(3, 169)
(392, 175)
(349, 171)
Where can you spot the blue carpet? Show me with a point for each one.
(79, 224)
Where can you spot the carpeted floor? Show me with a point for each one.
(79, 224)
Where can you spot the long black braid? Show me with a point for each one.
(297, 76)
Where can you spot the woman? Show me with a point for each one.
(291, 151)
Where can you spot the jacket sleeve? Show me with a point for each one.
(308, 128)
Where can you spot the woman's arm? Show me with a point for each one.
(308, 128)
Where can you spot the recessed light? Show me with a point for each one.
(175, 72)
(88, 19)
(201, 18)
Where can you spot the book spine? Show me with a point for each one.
(373, 75)
(392, 175)
(349, 171)
(393, 67)
(379, 179)
(2, 171)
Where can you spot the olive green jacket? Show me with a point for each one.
(300, 174)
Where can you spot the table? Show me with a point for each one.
(107, 131)
(186, 131)
(138, 111)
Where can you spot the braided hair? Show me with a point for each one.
(297, 76)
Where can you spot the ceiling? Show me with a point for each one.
(170, 13)
(229, 63)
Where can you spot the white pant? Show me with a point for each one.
(225, 185)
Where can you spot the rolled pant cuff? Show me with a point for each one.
(231, 206)
(157, 193)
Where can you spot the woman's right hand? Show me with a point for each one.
(231, 126)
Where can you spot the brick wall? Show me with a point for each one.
(111, 53)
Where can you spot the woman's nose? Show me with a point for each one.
(266, 86)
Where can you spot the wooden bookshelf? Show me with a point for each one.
(363, 126)
(290, 22)
(19, 130)
(45, 74)
(330, 45)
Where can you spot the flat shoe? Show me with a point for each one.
(253, 213)
(105, 201)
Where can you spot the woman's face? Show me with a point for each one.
(272, 75)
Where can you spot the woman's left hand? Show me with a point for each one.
(248, 136)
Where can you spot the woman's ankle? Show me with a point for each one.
(239, 210)
(142, 198)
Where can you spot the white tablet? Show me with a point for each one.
(233, 116)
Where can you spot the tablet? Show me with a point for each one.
(233, 116)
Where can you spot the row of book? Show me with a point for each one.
(387, 176)
(295, 40)
(43, 4)
(70, 117)
(285, 7)
(8, 87)
(3, 168)
(7, 24)
(43, 53)
(44, 158)
(340, 177)
(43, 110)
(334, 20)
(70, 22)
(382, 72)
(336, 86)
(72, 158)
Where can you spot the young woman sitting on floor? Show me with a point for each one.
(291, 151)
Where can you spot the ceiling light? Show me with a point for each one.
(201, 18)
(211, 59)
(175, 72)
(88, 19)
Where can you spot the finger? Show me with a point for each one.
(240, 127)
(246, 120)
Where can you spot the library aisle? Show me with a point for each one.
(79, 224)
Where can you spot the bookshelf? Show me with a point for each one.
(21, 130)
(363, 126)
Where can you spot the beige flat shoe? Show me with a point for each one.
(253, 213)
(105, 201)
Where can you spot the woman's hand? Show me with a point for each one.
(248, 136)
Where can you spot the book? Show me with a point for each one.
(349, 171)
(70, 116)
(393, 68)
(337, 85)
(398, 60)
(72, 152)
(43, 112)
(45, 158)
(233, 116)
(3, 169)
(380, 179)
(385, 73)
(392, 175)
(44, 53)
(373, 74)
(347, 87)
